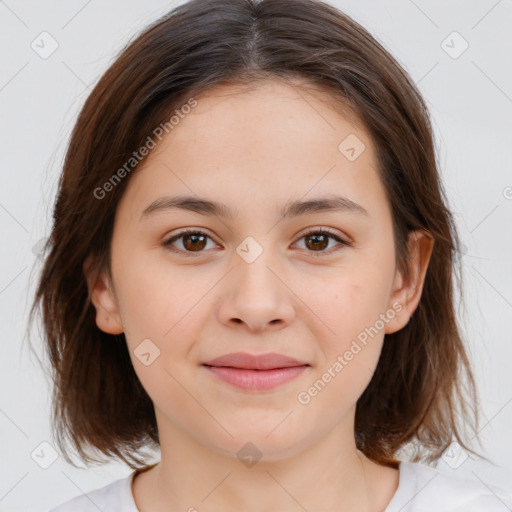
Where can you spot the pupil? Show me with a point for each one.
(316, 238)
(195, 238)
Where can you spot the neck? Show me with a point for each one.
(329, 475)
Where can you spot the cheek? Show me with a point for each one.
(348, 328)
(153, 296)
(351, 353)
(161, 308)
(349, 300)
(157, 309)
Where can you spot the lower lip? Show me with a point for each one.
(257, 380)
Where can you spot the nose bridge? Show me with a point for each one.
(256, 296)
(256, 260)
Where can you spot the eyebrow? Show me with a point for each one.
(291, 209)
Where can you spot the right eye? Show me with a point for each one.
(192, 241)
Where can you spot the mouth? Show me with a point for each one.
(256, 373)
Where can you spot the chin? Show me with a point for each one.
(256, 444)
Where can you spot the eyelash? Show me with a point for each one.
(323, 231)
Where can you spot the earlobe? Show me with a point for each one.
(102, 297)
(408, 289)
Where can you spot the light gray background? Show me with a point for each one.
(470, 98)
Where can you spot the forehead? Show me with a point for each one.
(295, 110)
(269, 139)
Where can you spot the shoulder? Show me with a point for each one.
(114, 497)
(423, 488)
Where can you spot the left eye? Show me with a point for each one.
(194, 241)
(320, 240)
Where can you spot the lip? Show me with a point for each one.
(248, 361)
(256, 373)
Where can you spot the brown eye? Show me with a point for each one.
(318, 241)
(191, 241)
(194, 242)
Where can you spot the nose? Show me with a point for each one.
(256, 297)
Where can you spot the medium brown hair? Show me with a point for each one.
(423, 385)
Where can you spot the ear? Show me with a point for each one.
(407, 291)
(100, 289)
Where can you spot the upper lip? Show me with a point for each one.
(255, 362)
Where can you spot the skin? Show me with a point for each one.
(255, 149)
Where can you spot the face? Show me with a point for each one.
(318, 284)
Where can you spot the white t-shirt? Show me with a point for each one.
(421, 488)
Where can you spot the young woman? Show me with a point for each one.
(252, 269)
